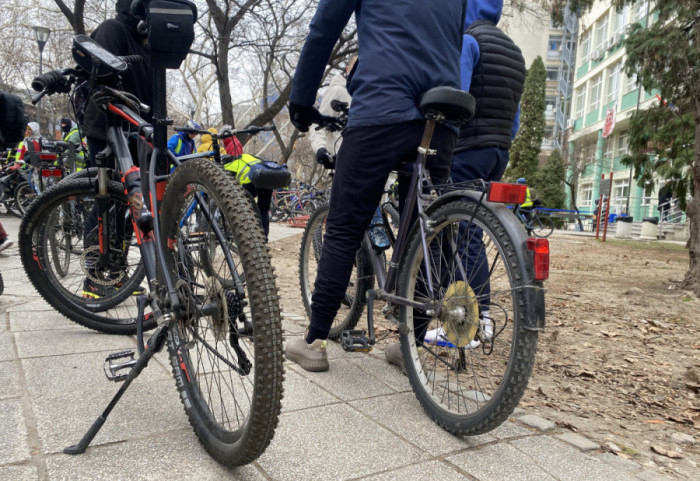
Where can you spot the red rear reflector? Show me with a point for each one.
(51, 173)
(47, 156)
(507, 193)
(540, 247)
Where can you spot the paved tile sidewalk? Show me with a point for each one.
(358, 421)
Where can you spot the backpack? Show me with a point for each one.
(13, 121)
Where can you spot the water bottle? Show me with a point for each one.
(377, 232)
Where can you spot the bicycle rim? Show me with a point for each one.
(226, 348)
(472, 373)
(353, 303)
(542, 226)
(57, 251)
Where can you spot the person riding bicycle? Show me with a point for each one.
(528, 204)
(493, 71)
(71, 135)
(182, 143)
(240, 167)
(407, 49)
(325, 142)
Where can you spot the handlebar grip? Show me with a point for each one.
(268, 128)
(47, 81)
(132, 58)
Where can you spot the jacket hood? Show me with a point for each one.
(124, 15)
(483, 10)
(206, 138)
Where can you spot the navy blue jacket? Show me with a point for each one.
(406, 47)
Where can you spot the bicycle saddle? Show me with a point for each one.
(456, 106)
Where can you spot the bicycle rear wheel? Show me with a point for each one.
(541, 226)
(361, 280)
(24, 195)
(468, 372)
(226, 348)
(55, 230)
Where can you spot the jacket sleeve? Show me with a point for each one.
(468, 60)
(172, 143)
(320, 138)
(325, 29)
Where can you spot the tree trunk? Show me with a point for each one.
(692, 277)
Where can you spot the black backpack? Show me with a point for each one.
(13, 121)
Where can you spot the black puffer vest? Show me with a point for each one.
(497, 84)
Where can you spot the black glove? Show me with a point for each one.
(302, 116)
(325, 158)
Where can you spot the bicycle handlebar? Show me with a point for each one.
(229, 133)
(332, 124)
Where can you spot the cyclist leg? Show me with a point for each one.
(488, 164)
(264, 204)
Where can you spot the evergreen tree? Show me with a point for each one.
(666, 57)
(548, 182)
(525, 151)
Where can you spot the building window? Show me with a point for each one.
(623, 142)
(648, 194)
(553, 73)
(580, 101)
(584, 48)
(586, 195)
(614, 82)
(622, 18)
(554, 47)
(631, 83)
(594, 95)
(550, 103)
(620, 193)
(640, 10)
(601, 32)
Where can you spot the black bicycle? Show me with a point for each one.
(535, 221)
(463, 284)
(210, 292)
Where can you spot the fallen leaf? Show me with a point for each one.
(667, 452)
(610, 334)
(655, 421)
(581, 373)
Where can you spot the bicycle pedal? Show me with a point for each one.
(112, 367)
(355, 341)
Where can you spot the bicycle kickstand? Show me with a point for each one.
(154, 344)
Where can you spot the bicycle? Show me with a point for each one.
(471, 376)
(46, 169)
(534, 221)
(211, 290)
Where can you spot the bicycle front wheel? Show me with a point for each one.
(59, 248)
(361, 280)
(469, 357)
(226, 347)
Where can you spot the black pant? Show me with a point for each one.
(264, 202)
(365, 159)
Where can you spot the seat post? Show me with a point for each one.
(424, 148)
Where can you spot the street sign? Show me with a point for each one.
(609, 122)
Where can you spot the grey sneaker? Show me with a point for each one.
(394, 356)
(312, 357)
(5, 243)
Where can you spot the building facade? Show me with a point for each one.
(602, 90)
(534, 33)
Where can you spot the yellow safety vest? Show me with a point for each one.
(528, 199)
(241, 167)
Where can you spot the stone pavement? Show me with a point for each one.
(358, 421)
